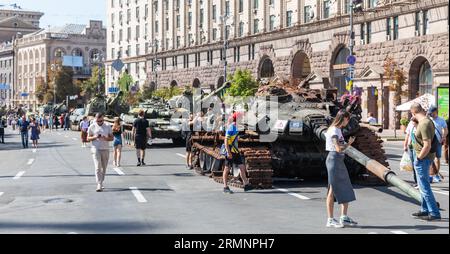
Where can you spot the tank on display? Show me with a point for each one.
(158, 113)
(97, 104)
(287, 140)
(76, 116)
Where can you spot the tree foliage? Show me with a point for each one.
(168, 92)
(125, 82)
(44, 91)
(90, 87)
(242, 84)
(62, 78)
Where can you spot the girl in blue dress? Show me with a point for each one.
(35, 131)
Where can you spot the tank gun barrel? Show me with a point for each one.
(375, 167)
(215, 92)
(372, 127)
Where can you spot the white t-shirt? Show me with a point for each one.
(372, 120)
(333, 131)
(104, 130)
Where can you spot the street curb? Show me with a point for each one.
(392, 139)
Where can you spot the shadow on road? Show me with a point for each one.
(416, 227)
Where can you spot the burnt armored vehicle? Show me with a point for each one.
(282, 135)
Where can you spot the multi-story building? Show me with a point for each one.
(303, 40)
(14, 19)
(6, 73)
(37, 51)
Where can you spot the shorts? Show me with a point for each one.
(235, 161)
(189, 143)
(140, 142)
(117, 142)
(84, 135)
(439, 152)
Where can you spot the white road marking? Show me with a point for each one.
(30, 161)
(1, 193)
(21, 173)
(59, 134)
(119, 172)
(294, 194)
(34, 150)
(372, 233)
(74, 139)
(181, 155)
(399, 232)
(66, 136)
(440, 192)
(72, 233)
(138, 195)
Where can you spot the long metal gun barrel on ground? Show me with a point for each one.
(376, 168)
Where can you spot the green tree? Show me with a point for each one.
(63, 79)
(90, 87)
(242, 84)
(125, 81)
(44, 91)
(168, 92)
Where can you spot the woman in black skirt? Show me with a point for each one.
(340, 188)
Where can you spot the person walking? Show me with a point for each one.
(2, 130)
(409, 142)
(67, 122)
(340, 188)
(100, 134)
(14, 123)
(24, 126)
(424, 157)
(84, 126)
(441, 131)
(117, 131)
(187, 135)
(35, 131)
(141, 132)
(61, 121)
(230, 150)
(50, 122)
(446, 154)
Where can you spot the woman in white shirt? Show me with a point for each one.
(340, 188)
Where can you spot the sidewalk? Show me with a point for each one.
(389, 135)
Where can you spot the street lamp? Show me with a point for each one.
(154, 45)
(55, 67)
(224, 19)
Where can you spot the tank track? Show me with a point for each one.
(257, 160)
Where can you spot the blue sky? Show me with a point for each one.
(59, 12)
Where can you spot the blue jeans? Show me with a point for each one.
(429, 205)
(24, 136)
(412, 155)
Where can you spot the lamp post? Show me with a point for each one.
(55, 67)
(98, 59)
(224, 19)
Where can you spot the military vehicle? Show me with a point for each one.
(159, 114)
(76, 117)
(290, 145)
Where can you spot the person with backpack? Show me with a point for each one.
(441, 131)
(425, 154)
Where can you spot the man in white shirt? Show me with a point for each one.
(100, 134)
(371, 119)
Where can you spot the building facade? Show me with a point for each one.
(303, 40)
(36, 52)
(15, 20)
(6, 73)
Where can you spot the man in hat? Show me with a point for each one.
(441, 134)
(233, 156)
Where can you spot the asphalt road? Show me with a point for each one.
(52, 190)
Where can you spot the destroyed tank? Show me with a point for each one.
(158, 114)
(287, 139)
(97, 104)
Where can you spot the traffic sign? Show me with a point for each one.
(24, 94)
(351, 59)
(113, 90)
(118, 65)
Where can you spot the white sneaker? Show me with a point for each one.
(331, 222)
(347, 221)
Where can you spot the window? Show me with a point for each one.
(112, 19)
(112, 36)
(255, 4)
(178, 41)
(362, 34)
(373, 3)
(227, 32)
(347, 6)
(138, 32)
(214, 34)
(417, 24)
(112, 3)
(190, 19)
(271, 2)
(395, 27)
(174, 61)
(227, 8)
(366, 30)
(178, 21)
(288, 18)
(214, 12)
(129, 33)
(326, 9)
(146, 30)
(146, 10)
(129, 50)
(241, 29)
(307, 14)
(128, 15)
(272, 23)
(167, 43)
(369, 32)
(156, 26)
(202, 13)
(190, 40)
(167, 24)
(388, 29)
(137, 13)
(120, 35)
(425, 22)
(237, 54)
(138, 51)
(241, 6)
(256, 26)
(178, 3)
(146, 48)
(155, 3)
